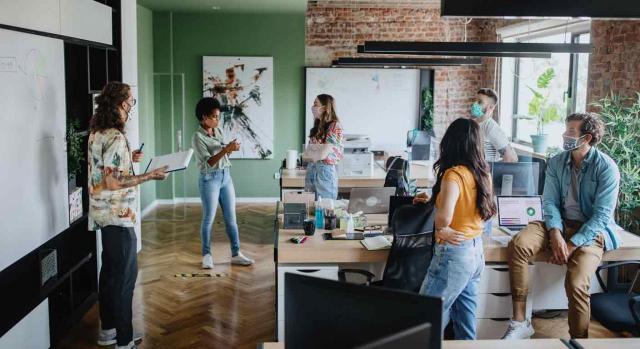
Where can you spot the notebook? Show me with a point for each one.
(377, 243)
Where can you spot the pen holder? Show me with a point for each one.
(330, 222)
(309, 227)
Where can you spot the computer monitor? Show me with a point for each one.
(414, 338)
(515, 178)
(322, 313)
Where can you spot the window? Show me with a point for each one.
(566, 91)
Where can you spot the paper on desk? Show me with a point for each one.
(502, 240)
(316, 152)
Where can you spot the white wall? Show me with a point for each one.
(31, 332)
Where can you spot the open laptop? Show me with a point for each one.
(515, 212)
(370, 200)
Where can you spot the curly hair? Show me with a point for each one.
(108, 102)
(323, 123)
(591, 125)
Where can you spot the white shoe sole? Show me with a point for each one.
(207, 266)
(136, 339)
(244, 264)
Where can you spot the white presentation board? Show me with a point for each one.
(33, 179)
(380, 103)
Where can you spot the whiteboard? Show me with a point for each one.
(33, 179)
(380, 103)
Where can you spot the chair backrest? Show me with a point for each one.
(412, 247)
(396, 168)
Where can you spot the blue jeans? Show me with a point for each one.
(322, 179)
(454, 275)
(217, 187)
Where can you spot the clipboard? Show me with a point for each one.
(175, 161)
(316, 152)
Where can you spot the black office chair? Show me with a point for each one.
(617, 311)
(411, 251)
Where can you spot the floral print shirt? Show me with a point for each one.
(109, 153)
(336, 139)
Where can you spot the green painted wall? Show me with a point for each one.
(281, 36)
(145, 97)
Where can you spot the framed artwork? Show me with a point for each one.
(244, 88)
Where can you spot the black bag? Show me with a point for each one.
(396, 168)
(412, 248)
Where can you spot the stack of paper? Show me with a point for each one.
(376, 243)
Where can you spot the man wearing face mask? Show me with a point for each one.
(495, 141)
(112, 210)
(580, 196)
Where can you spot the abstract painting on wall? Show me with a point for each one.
(244, 88)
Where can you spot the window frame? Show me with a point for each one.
(572, 86)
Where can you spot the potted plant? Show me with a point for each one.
(74, 152)
(621, 116)
(542, 110)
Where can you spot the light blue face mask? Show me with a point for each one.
(571, 143)
(476, 110)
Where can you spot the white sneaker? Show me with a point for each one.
(519, 330)
(108, 337)
(131, 345)
(207, 261)
(241, 259)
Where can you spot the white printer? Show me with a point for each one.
(358, 160)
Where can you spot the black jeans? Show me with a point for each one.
(117, 279)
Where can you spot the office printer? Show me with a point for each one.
(358, 160)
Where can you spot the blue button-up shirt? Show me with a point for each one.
(598, 183)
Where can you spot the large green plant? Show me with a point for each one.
(540, 108)
(426, 120)
(74, 149)
(621, 116)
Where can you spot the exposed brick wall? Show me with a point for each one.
(334, 29)
(614, 64)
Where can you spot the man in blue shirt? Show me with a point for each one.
(580, 196)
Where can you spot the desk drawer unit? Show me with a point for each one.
(319, 271)
(494, 301)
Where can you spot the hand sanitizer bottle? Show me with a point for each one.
(319, 214)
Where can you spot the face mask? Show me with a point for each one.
(571, 143)
(476, 110)
(316, 111)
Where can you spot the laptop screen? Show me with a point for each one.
(519, 210)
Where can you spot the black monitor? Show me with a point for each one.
(418, 337)
(516, 178)
(322, 313)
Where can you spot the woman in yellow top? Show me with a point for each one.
(464, 200)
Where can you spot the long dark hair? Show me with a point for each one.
(462, 146)
(327, 118)
(108, 110)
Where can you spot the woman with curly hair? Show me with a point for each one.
(112, 197)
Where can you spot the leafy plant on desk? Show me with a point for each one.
(74, 149)
(621, 116)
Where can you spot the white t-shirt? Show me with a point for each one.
(493, 139)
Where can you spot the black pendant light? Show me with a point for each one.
(484, 49)
(403, 62)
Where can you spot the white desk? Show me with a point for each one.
(608, 343)
(320, 258)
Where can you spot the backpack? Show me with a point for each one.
(412, 248)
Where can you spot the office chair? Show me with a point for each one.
(411, 251)
(619, 312)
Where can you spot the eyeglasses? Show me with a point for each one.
(133, 102)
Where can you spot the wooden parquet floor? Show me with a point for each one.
(232, 311)
(235, 310)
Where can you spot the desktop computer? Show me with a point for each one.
(516, 178)
(322, 313)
